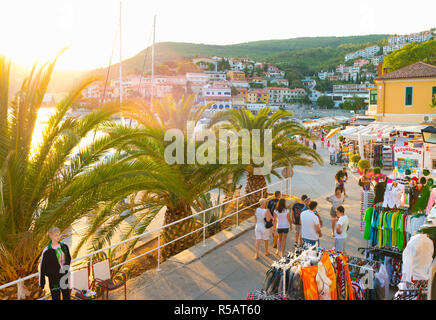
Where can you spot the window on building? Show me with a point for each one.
(433, 91)
(373, 96)
(409, 96)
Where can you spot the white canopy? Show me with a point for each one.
(370, 131)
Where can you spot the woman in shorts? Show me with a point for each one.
(283, 224)
(336, 200)
(261, 232)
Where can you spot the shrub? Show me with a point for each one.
(364, 164)
(355, 158)
(377, 170)
(341, 138)
(426, 172)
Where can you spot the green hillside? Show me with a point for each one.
(308, 54)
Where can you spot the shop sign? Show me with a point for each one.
(407, 158)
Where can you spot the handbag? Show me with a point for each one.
(268, 224)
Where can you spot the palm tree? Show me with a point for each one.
(58, 181)
(285, 151)
(191, 180)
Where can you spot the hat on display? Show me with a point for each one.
(429, 223)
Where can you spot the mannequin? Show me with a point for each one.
(323, 283)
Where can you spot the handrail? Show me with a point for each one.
(203, 227)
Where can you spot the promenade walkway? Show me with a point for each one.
(229, 270)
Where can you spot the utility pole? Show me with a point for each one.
(121, 70)
(152, 64)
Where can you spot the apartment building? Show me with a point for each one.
(258, 96)
(197, 78)
(408, 38)
(259, 80)
(236, 75)
(367, 52)
(240, 84)
(216, 76)
(216, 90)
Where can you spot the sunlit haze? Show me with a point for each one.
(32, 30)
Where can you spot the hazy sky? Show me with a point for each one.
(38, 29)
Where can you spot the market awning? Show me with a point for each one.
(332, 132)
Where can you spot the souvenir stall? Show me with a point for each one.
(393, 229)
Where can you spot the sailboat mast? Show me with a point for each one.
(121, 70)
(152, 63)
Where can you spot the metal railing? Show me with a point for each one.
(283, 186)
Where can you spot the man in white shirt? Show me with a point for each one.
(341, 229)
(310, 225)
(332, 152)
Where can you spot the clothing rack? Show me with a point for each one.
(288, 265)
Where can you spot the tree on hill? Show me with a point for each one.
(187, 66)
(325, 102)
(306, 100)
(355, 104)
(223, 65)
(164, 69)
(323, 85)
(411, 53)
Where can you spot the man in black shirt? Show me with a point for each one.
(297, 209)
(341, 177)
(271, 206)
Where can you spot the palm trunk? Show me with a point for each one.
(255, 182)
(178, 230)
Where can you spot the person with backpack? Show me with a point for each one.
(271, 207)
(263, 221)
(297, 209)
(283, 224)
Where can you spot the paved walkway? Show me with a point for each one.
(229, 271)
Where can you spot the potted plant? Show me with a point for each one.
(362, 165)
(354, 160)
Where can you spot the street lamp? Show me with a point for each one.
(429, 134)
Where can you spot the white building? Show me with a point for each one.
(240, 84)
(197, 78)
(280, 81)
(216, 91)
(324, 74)
(375, 60)
(408, 38)
(216, 76)
(367, 52)
(314, 95)
(309, 83)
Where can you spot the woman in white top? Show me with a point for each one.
(336, 200)
(283, 222)
(261, 232)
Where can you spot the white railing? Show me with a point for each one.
(284, 185)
